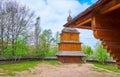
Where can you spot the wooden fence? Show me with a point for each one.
(19, 59)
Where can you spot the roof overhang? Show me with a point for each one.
(84, 19)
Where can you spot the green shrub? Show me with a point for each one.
(101, 54)
(52, 51)
(88, 51)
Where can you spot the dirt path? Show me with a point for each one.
(66, 70)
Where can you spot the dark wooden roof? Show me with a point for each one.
(67, 29)
(70, 53)
(83, 20)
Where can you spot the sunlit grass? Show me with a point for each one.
(10, 69)
(98, 69)
(19, 66)
(108, 67)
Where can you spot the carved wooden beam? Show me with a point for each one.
(110, 21)
(108, 31)
(84, 22)
(107, 35)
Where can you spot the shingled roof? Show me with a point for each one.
(70, 53)
(66, 29)
(84, 18)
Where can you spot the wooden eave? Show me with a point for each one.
(83, 20)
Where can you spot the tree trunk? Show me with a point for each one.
(13, 48)
(2, 42)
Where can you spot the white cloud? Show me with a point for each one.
(87, 38)
(54, 13)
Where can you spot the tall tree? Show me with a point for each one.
(2, 27)
(37, 33)
(101, 53)
(14, 19)
(57, 39)
(46, 39)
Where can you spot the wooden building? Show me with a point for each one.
(104, 19)
(69, 46)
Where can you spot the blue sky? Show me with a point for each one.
(54, 14)
(90, 2)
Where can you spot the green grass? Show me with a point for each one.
(19, 66)
(108, 67)
(98, 69)
(10, 69)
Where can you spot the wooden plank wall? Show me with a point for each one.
(70, 59)
(69, 47)
(65, 36)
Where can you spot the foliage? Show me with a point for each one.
(54, 45)
(56, 39)
(101, 54)
(15, 21)
(88, 51)
(14, 18)
(21, 48)
(108, 67)
(45, 42)
(52, 51)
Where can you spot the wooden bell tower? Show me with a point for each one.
(69, 46)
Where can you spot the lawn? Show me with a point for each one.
(108, 67)
(10, 69)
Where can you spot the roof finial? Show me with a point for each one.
(69, 11)
(69, 17)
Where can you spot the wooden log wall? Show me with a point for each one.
(69, 46)
(69, 41)
(106, 27)
(67, 36)
(70, 59)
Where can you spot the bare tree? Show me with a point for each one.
(2, 27)
(14, 18)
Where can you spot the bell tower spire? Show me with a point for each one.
(69, 18)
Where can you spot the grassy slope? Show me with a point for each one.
(10, 69)
(108, 67)
(19, 66)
